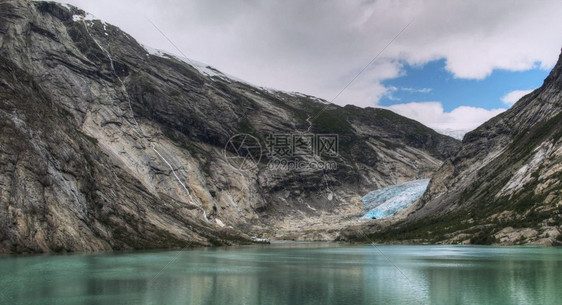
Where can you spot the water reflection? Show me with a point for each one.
(290, 274)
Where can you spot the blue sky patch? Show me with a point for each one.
(432, 82)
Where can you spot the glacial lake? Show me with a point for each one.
(289, 273)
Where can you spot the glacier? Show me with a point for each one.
(385, 202)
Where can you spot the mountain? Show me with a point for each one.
(106, 144)
(503, 186)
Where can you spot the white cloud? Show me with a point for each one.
(461, 120)
(513, 96)
(390, 90)
(416, 90)
(317, 47)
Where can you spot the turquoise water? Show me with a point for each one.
(290, 274)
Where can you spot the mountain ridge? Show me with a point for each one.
(105, 146)
(502, 186)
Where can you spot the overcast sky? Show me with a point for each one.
(318, 46)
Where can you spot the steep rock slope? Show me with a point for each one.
(106, 145)
(504, 184)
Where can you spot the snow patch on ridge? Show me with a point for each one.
(213, 72)
(201, 67)
(86, 17)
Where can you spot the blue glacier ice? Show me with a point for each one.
(385, 202)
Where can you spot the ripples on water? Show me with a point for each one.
(290, 274)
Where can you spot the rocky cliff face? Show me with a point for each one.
(503, 185)
(106, 145)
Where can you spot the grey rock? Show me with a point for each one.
(106, 146)
(502, 186)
